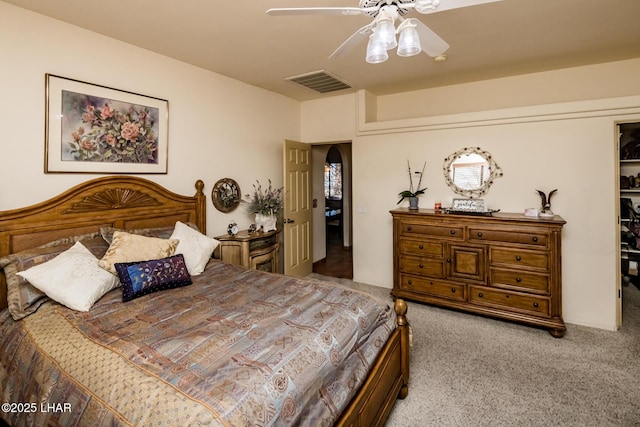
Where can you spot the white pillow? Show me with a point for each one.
(72, 278)
(195, 247)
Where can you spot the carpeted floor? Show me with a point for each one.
(468, 370)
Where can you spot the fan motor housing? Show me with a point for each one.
(380, 3)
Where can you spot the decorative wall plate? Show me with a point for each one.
(225, 195)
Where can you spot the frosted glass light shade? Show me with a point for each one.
(385, 33)
(409, 43)
(376, 51)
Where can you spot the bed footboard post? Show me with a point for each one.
(400, 308)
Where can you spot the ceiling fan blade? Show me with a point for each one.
(432, 44)
(319, 11)
(352, 41)
(453, 4)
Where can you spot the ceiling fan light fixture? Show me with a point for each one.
(409, 40)
(376, 51)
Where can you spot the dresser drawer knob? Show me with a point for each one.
(535, 304)
(449, 260)
(409, 228)
(453, 290)
(479, 233)
(421, 265)
(518, 258)
(518, 279)
(480, 295)
(410, 282)
(421, 246)
(453, 232)
(535, 239)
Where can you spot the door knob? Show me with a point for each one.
(289, 221)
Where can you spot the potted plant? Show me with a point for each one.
(266, 204)
(413, 192)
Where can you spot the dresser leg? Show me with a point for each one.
(557, 333)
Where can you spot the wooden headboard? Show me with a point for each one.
(124, 202)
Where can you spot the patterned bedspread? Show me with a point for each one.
(237, 348)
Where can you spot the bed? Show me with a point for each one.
(226, 346)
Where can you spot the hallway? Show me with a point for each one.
(339, 260)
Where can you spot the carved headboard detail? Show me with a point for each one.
(117, 198)
(125, 202)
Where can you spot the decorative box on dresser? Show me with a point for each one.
(257, 250)
(505, 265)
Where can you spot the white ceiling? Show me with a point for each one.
(238, 39)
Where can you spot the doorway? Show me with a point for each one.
(332, 195)
(628, 213)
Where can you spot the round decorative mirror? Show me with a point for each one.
(225, 195)
(470, 171)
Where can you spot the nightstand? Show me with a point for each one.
(257, 250)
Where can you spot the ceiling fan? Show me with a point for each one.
(414, 36)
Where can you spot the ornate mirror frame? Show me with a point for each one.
(225, 195)
(494, 172)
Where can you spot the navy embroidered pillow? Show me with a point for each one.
(142, 278)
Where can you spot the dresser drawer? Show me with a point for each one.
(509, 301)
(519, 280)
(431, 267)
(519, 258)
(432, 287)
(533, 238)
(422, 248)
(434, 231)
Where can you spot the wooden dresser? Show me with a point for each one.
(506, 265)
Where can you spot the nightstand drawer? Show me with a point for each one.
(421, 248)
(509, 300)
(519, 258)
(263, 242)
(519, 280)
(432, 287)
(430, 267)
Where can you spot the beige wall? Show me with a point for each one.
(540, 144)
(218, 127)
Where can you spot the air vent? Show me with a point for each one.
(320, 81)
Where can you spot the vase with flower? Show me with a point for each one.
(266, 204)
(413, 192)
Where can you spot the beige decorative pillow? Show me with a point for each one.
(126, 247)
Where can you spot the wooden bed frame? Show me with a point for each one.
(128, 202)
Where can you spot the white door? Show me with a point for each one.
(298, 260)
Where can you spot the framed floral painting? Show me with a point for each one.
(96, 129)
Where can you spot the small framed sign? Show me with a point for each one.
(468, 205)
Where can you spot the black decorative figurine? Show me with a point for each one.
(546, 202)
